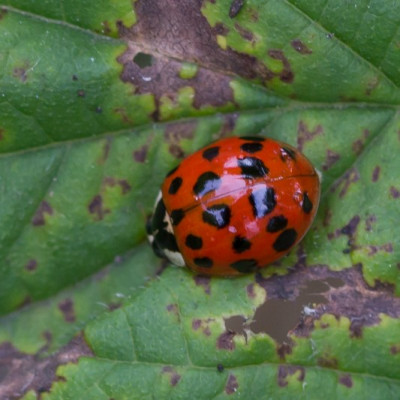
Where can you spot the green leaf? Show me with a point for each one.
(98, 101)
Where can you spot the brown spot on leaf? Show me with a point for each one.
(172, 308)
(330, 159)
(395, 349)
(123, 114)
(359, 144)
(371, 219)
(174, 376)
(31, 265)
(395, 193)
(286, 75)
(235, 8)
(351, 176)
(346, 380)
(81, 93)
(225, 341)
(244, 33)
(196, 324)
(328, 362)
(67, 308)
(284, 349)
(375, 173)
(44, 208)
(3, 12)
(285, 370)
(114, 306)
(250, 291)
(231, 385)
(220, 29)
(229, 123)
(300, 47)
(26, 372)
(96, 207)
(373, 249)
(20, 72)
(141, 154)
(122, 183)
(327, 217)
(204, 281)
(106, 151)
(74, 77)
(304, 134)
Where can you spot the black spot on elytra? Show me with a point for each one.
(218, 215)
(240, 244)
(287, 153)
(206, 183)
(253, 138)
(252, 167)
(263, 201)
(307, 204)
(245, 266)
(210, 153)
(285, 240)
(172, 171)
(203, 262)
(194, 242)
(277, 223)
(166, 240)
(177, 216)
(175, 185)
(251, 147)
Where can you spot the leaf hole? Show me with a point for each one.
(143, 60)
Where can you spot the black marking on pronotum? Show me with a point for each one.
(207, 182)
(194, 242)
(251, 147)
(253, 138)
(240, 244)
(276, 224)
(245, 266)
(203, 262)
(263, 201)
(286, 152)
(175, 185)
(157, 221)
(166, 240)
(252, 167)
(210, 153)
(172, 171)
(177, 216)
(285, 240)
(218, 215)
(307, 204)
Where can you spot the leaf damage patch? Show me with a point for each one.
(26, 372)
(232, 384)
(284, 371)
(39, 217)
(339, 293)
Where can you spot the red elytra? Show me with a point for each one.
(235, 206)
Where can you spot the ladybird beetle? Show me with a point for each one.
(234, 206)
